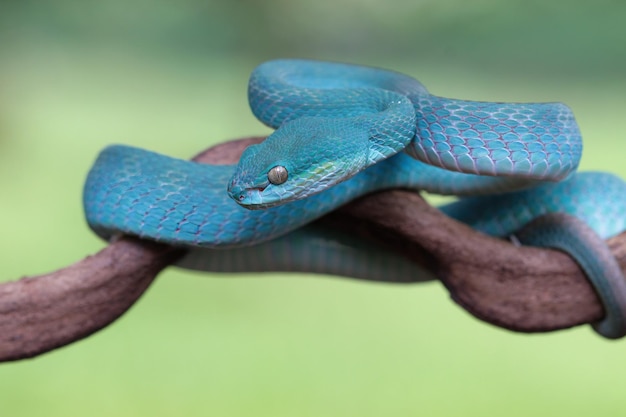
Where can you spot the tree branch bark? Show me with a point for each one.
(523, 289)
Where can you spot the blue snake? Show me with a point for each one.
(344, 131)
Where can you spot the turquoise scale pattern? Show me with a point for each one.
(539, 140)
(597, 198)
(313, 250)
(320, 106)
(142, 193)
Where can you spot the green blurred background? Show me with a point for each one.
(171, 76)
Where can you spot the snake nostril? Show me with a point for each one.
(241, 197)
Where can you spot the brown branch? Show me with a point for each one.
(38, 314)
(520, 288)
(524, 289)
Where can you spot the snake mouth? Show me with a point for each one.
(248, 197)
(258, 189)
(247, 194)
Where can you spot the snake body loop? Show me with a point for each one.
(341, 133)
(335, 120)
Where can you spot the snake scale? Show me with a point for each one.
(343, 131)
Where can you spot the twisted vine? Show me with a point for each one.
(519, 288)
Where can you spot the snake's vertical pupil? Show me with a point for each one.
(277, 175)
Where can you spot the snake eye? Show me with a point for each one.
(277, 175)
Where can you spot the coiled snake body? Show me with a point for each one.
(341, 130)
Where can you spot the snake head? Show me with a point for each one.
(302, 158)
